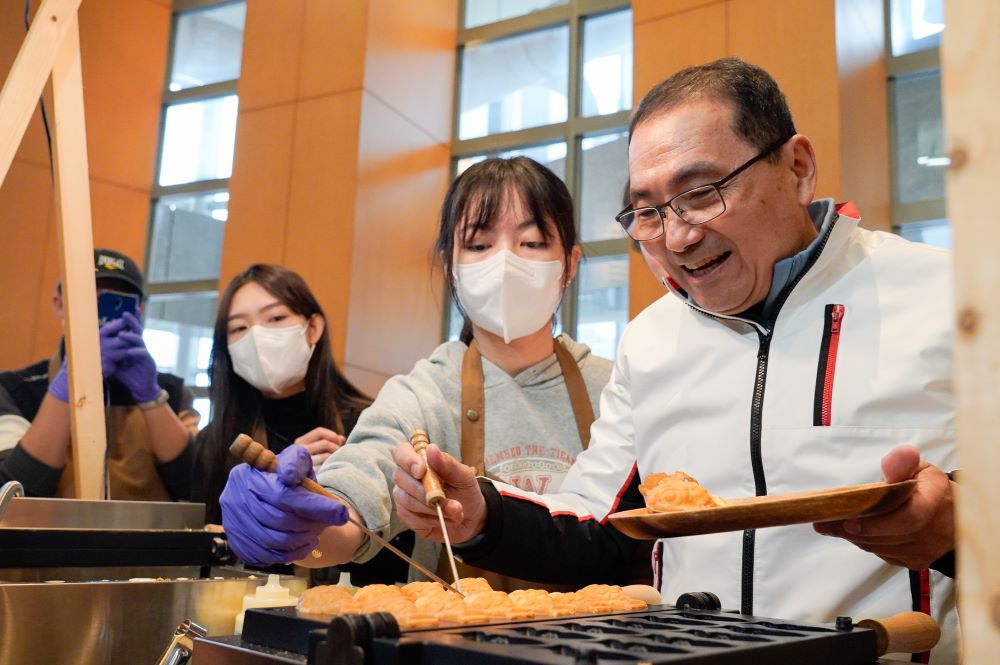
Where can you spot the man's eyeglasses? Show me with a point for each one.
(695, 206)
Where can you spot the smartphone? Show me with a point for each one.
(112, 304)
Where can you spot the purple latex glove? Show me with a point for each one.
(113, 350)
(270, 519)
(136, 368)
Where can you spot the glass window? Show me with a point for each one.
(514, 83)
(455, 321)
(552, 155)
(203, 406)
(602, 303)
(920, 157)
(187, 237)
(177, 329)
(603, 173)
(480, 12)
(935, 232)
(198, 140)
(916, 25)
(208, 45)
(606, 85)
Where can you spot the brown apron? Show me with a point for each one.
(474, 443)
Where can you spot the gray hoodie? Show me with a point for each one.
(531, 434)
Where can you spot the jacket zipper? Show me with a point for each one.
(823, 404)
(764, 334)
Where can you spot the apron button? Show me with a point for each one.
(472, 415)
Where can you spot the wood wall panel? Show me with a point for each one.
(395, 303)
(121, 144)
(321, 215)
(333, 47)
(365, 109)
(271, 53)
(864, 118)
(258, 203)
(123, 53)
(645, 10)
(769, 33)
(664, 46)
(411, 53)
(25, 211)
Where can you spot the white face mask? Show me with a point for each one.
(272, 359)
(507, 295)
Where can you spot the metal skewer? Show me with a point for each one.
(434, 496)
(256, 455)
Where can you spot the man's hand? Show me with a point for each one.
(464, 510)
(320, 442)
(136, 368)
(112, 348)
(916, 533)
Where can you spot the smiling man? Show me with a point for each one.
(795, 351)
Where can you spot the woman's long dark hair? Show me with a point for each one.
(237, 404)
(477, 196)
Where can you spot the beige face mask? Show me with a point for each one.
(272, 359)
(507, 295)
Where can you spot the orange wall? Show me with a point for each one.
(123, 52)
(341, 162)
(802, 45)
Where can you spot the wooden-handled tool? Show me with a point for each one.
(434, 495)
(906, 632)
(259, 457)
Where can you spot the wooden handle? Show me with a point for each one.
(253, 453)
(432, 484)
(906, 632)
(259, 457)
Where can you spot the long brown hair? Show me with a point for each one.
(237, 405)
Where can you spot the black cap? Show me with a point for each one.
(109, 264)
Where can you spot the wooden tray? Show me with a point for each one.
(763, 511)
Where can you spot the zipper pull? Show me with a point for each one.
(835, 318)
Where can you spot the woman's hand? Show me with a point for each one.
(270, 519)
(320, 442)
(464, 510)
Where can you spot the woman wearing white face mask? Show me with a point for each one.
(506, 398)
(272, 376)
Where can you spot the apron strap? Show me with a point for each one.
(473, 409)
(583, 410)
(474, 402)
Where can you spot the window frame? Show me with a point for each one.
(172, 98)
(924, 61)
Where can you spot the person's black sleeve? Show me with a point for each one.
(39, 479)
(176, 474)
(523, 539)
(946, 564)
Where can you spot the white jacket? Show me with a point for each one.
(681, 397)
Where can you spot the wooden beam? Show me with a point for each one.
(72, 186)
(31, 69)
(970, 59)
